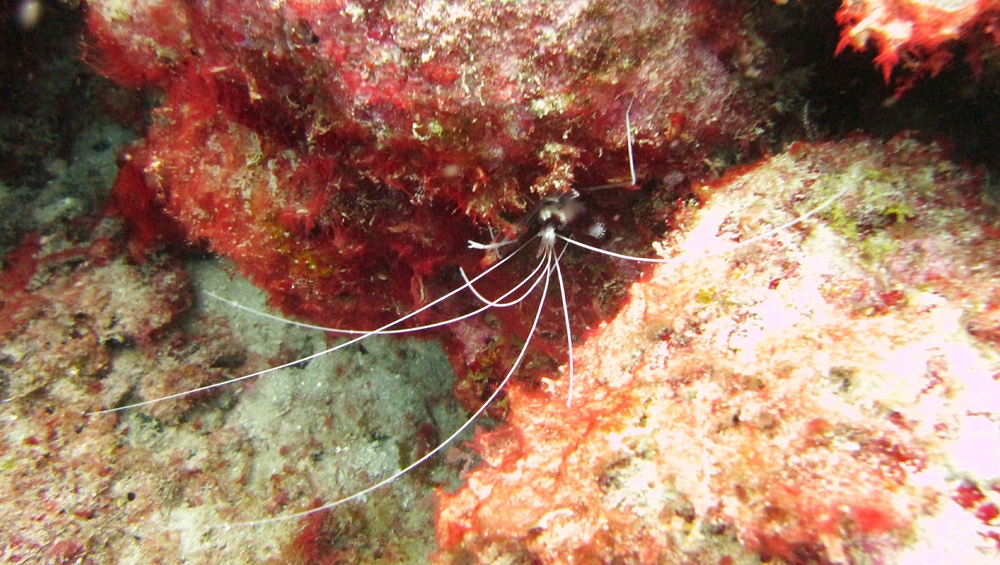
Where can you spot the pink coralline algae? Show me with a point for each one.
(827, 394)
(336, 150)
(917, 36)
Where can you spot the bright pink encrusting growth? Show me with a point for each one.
(914, 35)
(341, 150)
(814, 397)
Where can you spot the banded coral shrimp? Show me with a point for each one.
(547, 221)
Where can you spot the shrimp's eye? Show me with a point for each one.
(559, 210)
(548, 211)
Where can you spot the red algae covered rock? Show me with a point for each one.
(826, 394)
(915, 34)
(339, 150)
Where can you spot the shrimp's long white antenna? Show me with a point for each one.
(545, 252)
(496, 303)
(569, 330)
(315, 355)
(346, 331)
(825, 204)
(631, 157)
(487, 305)
(628, 134)
(490, 246)
(517, 362)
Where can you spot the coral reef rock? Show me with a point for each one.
(826, 393)
(336, 149)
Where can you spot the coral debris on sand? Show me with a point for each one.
(82, 327)
(828, 394)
